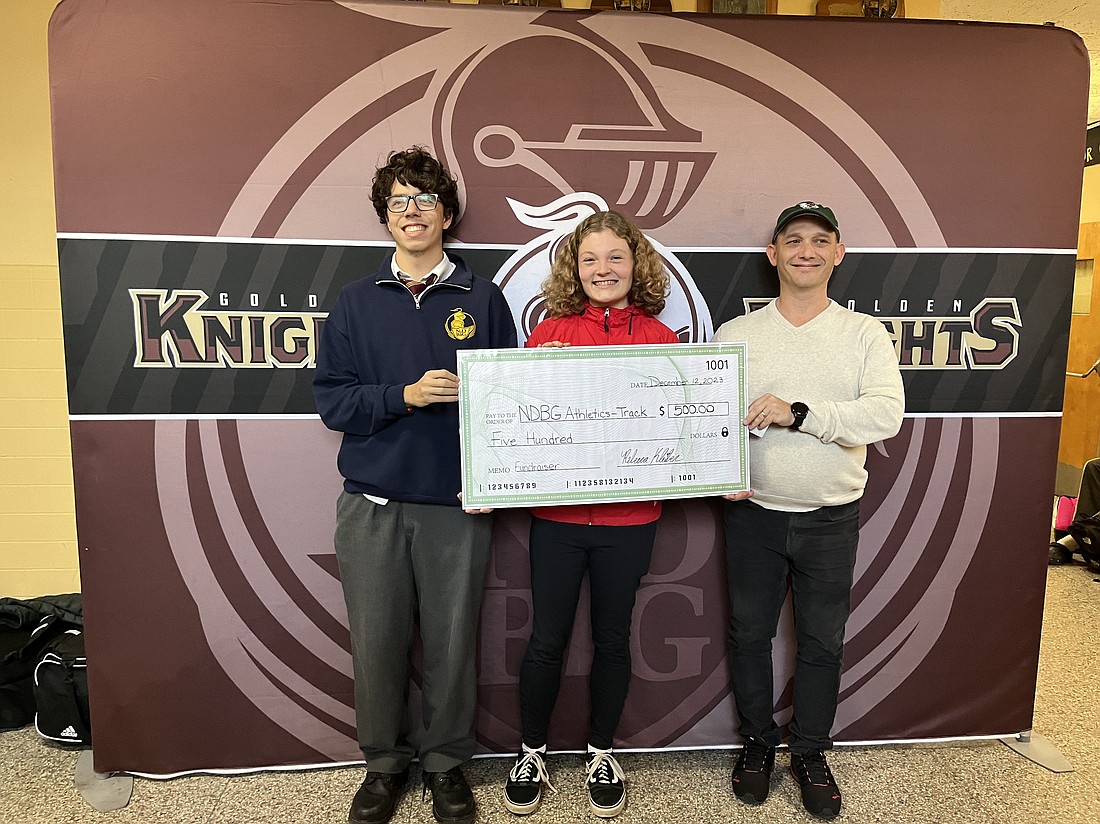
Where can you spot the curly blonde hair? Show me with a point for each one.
(562, 289)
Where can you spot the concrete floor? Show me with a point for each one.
(938, 784)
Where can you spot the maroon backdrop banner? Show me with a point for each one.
(213, 165)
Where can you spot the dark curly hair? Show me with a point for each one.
(563, 290)
(415, 167)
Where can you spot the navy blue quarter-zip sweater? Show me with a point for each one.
(377, 339)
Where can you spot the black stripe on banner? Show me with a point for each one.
(1010, 364)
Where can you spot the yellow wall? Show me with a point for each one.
(1080, 436)
(1090, 195)
(38, 553)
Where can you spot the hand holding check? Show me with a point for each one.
(434, 386)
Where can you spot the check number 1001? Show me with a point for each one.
(695, 410)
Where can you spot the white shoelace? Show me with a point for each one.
(603, 768)
(529, 768)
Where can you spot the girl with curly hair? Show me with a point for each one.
(605, 287)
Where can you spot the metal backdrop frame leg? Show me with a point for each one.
(103, 791)
(1035, 747)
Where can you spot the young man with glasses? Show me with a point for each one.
(825, 383)
(386, 379)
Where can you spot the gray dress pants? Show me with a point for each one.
(398, 560)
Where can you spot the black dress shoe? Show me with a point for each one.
(452, 800)
(376, 797)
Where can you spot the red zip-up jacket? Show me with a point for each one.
(603, 327)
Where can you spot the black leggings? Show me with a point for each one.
(616, 558)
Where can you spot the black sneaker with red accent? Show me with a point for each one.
(752, 774)
(820, 794)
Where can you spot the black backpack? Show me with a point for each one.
(16, 694)
(1085, 530)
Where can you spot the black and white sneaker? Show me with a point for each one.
(523, 790)
(820, 794)
(606, 784)
(752, 774)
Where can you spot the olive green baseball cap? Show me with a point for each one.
(803, 209)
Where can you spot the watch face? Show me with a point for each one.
(799, 410)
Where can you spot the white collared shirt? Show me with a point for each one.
(442, 270)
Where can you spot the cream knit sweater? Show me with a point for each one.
(843, 366)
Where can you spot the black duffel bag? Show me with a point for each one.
(23, 639)
(61, 691)
(17, 669)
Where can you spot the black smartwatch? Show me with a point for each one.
(800, 411)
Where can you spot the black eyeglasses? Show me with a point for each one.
(425, 202)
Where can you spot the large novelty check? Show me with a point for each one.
(592, 424)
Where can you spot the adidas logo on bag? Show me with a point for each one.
(69, 732)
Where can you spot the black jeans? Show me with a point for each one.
(616, 558)
(816, 551)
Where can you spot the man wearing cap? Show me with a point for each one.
(825, 383)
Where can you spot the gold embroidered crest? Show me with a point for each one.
(460, 325)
